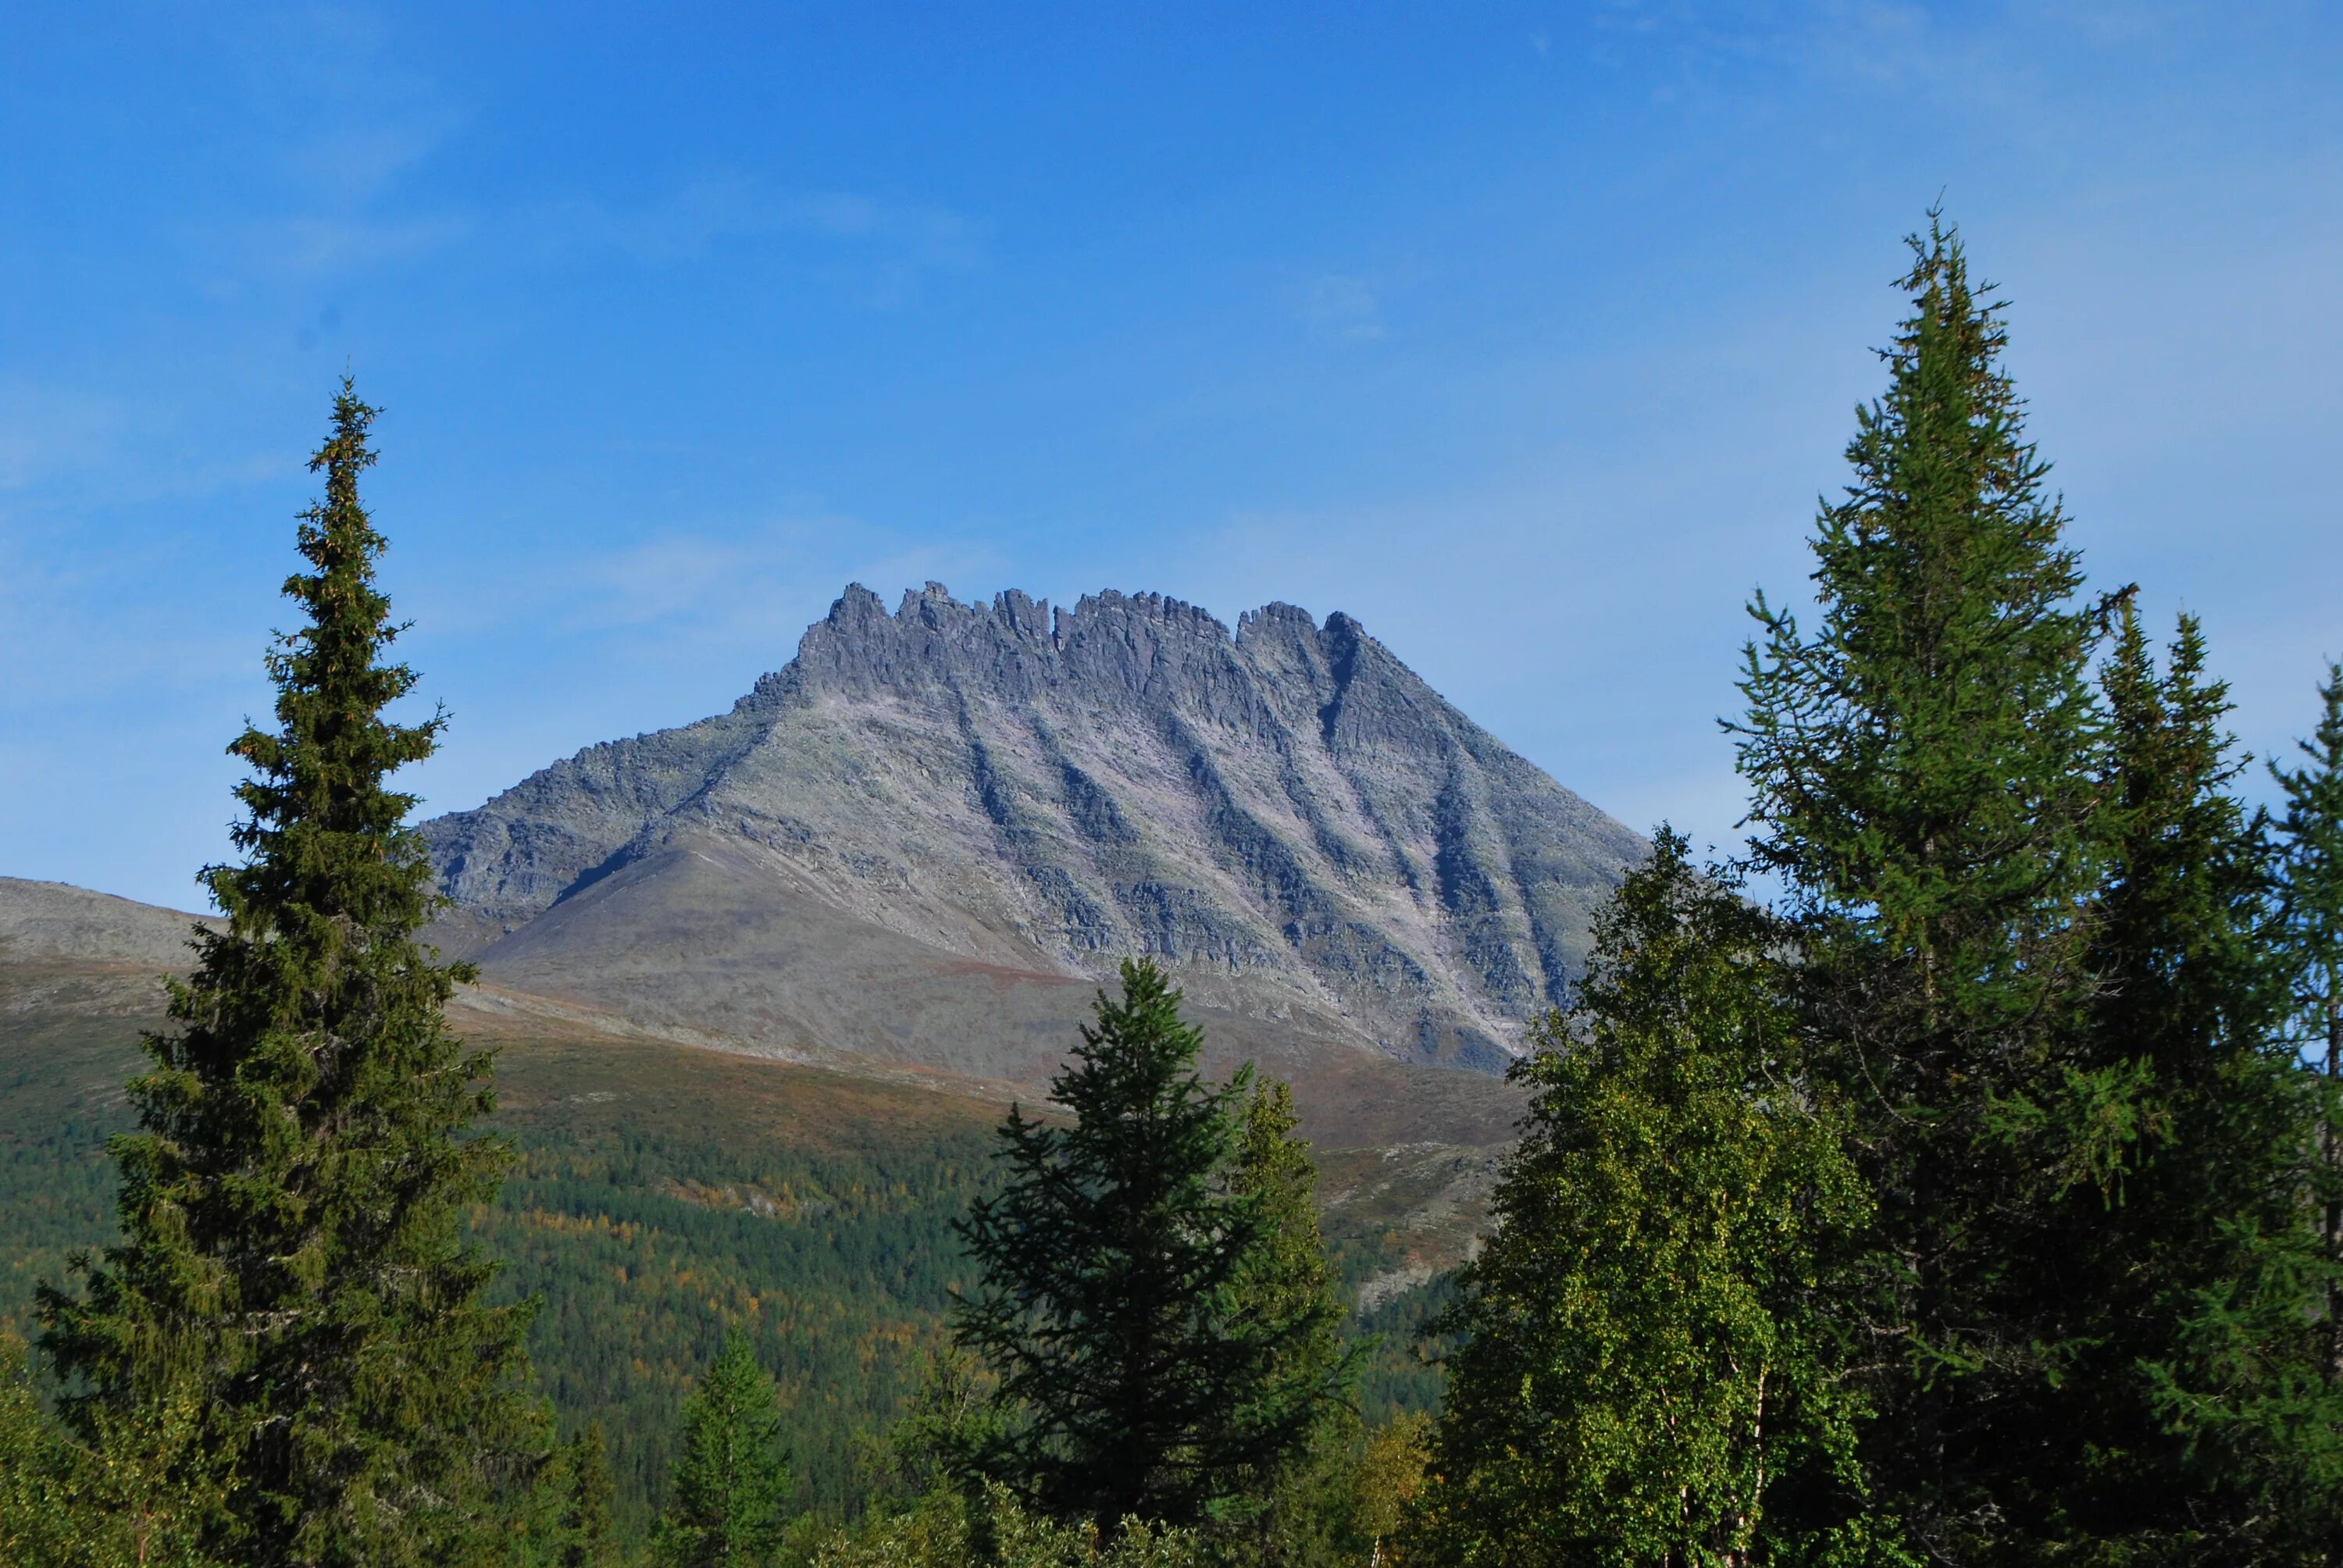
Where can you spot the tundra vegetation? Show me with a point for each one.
(1954, 1178)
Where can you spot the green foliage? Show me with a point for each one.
(2310, 943)
(1922, 776)
(1114, 1262)
(2286, 1416)
(728, 1502)
(1340, 1500)
(663, 1197)
(956, 1413)
(1303, 1505)
(134, 1496)
(34, 1493)
(660, 1195)
(1645, 1375)
(951, 1529)
(1285, 1289)
(292, 1276)
(2174, 1248)
(2311, 907)
(2028, 928)
(588, 1527)
(1385, 1484)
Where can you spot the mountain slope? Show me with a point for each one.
(932, 832)
(666, 1192)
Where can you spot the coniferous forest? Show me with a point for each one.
(1953, 1177)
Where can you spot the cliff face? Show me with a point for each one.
(1286, 816)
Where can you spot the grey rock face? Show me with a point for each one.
(1286, 816)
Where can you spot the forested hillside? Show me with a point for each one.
(663, 1194)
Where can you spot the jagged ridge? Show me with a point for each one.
(1287, 814)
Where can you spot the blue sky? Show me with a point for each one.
(1527, 333)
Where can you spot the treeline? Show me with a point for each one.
(1977, 1202)
(1956, 1178)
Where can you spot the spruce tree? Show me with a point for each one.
(1285, 1299)
(1113, 1265)
(292, 1266)
(2175, 1262)
(728, 1500)
(1922, 767)
(2260, 1383)
(585, 1521)
(1644, 1373)
(2310, 939)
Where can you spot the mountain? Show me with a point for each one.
(885, 887)
(925, 840)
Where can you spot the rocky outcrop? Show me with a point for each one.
(1285, 814)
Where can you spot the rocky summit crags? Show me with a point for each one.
(924, 839)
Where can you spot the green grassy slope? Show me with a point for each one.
(663, 1192)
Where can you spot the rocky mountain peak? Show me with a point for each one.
(1286, 814)
(1015, 643)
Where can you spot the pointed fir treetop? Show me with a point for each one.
(325, 840)
(728, 1500)
(1272, 1166)
(1926, 766)
(2163, 1227)
(1919, 760)
(1139, 1062)
(2175, 932)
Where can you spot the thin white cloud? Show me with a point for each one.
(314, 246)
(691, 592)
(356, 160)
(48, 431)
(1341, 307)
(894, 242)
(66, 452)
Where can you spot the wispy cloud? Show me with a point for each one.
(46, 432)
(692, 591)
(358, 159)
(316, 246)
(892, 245)
(1341, 307)
(75, 634)
(65, 451)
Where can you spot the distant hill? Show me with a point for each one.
(926, 840)
(57, 923)
(664, 1190)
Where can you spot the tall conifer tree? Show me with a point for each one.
(586, 1525)
(1645, 1376)
(2178, 1260)
(2310, 936)
(728, 1500)
(292, 1264)
(1923, 767)
(1113, 1265)
(1285, 1299)
(1285, 1289)
(2279, 1415)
